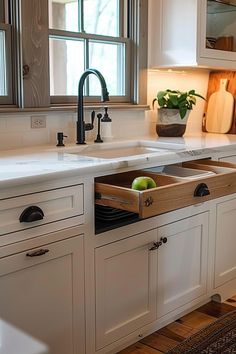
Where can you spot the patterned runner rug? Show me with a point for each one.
(217, 338)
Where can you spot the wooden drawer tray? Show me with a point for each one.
(171, 192)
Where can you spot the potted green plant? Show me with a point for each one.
(173, 112)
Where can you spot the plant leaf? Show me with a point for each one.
(183, 96)
(174, 100)
(161, 94)
(182, 112)
(161, 101)
(197, 94)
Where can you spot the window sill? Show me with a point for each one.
(73, 108)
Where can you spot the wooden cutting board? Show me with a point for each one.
(214, 85)
(219, 115)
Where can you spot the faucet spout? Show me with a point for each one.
(81, 126)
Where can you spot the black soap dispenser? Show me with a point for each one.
(60, 139)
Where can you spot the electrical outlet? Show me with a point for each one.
(38, 122)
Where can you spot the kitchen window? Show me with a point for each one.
(45, 46)
(5, 56)
(88, 33)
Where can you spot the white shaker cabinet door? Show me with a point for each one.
(41, 292)
(125, 287)
(182, 262)
(225, 257)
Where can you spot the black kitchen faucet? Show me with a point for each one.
(81, 126)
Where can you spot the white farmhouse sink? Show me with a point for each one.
(124, 149)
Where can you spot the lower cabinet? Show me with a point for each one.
(144, 277)
(182, 263)
(225, 256)
(126, 284)
(42, 293)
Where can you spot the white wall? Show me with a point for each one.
(183, 81)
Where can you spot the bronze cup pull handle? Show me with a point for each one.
(37, 253)
(201, 190)
(31, 214)
(155, 246)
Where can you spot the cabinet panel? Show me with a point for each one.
(43, 295)
(218, 29)
(225, 258)
(166, 33)
(125, 287)
(206, 38)
(182, 263)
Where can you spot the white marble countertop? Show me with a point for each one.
(47, 162)
(14, 341)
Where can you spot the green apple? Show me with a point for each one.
(143, 182)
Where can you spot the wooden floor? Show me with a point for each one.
(169, 336)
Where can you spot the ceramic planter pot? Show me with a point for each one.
(169, 122)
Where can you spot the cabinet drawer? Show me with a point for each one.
(171, 192)
(37, 209)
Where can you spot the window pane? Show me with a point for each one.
(3, 85)
(63, 15)
(66, 66)
(101, 17)
(109, 59)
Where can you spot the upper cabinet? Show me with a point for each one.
(192, 33)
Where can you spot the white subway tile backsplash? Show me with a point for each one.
(3, 123)
(36, 137)
(12, 140)
(17, 123)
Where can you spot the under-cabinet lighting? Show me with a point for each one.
(169, 71)
(178, 71)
